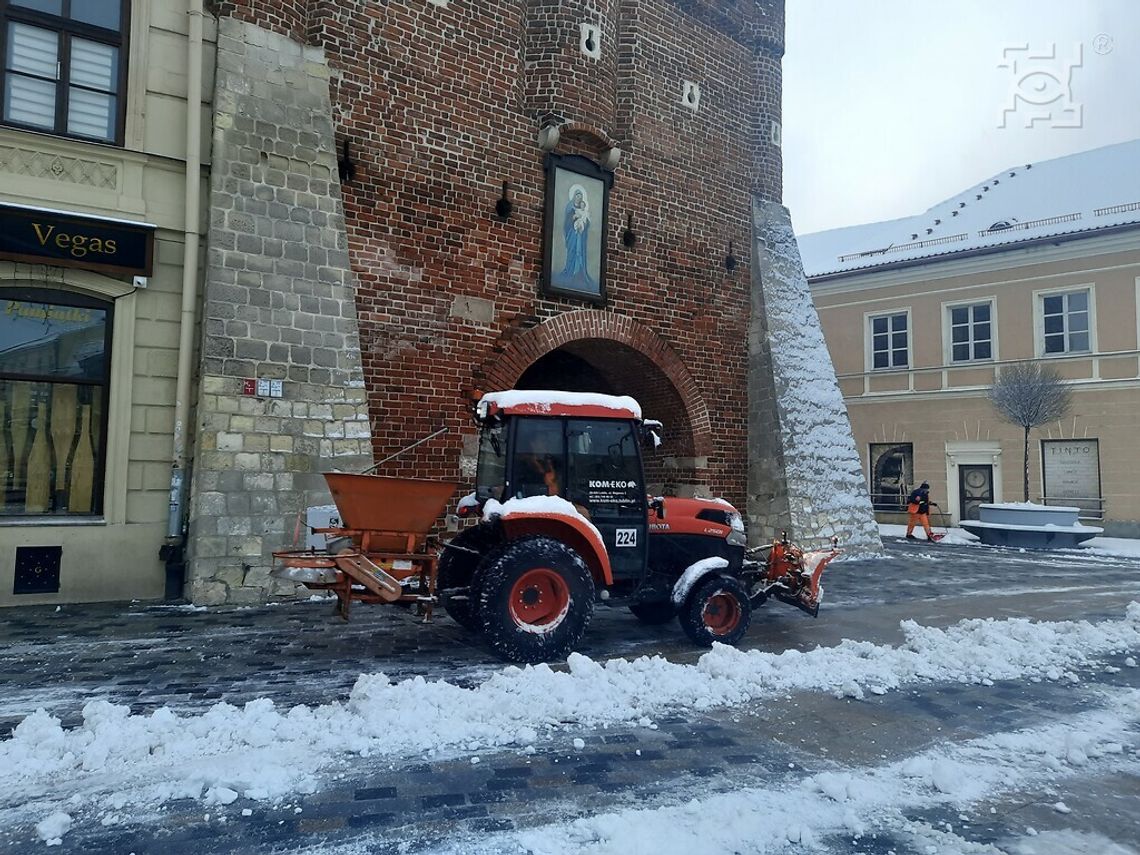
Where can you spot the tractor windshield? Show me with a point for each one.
(491, 474)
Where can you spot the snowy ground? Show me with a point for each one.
(1123, 547)
(921, 699)
(953, 535)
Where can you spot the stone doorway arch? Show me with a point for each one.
(591, 351)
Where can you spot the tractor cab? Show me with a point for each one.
(583, 449)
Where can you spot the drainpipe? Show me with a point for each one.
(174, 550)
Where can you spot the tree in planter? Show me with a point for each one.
(1029, 394)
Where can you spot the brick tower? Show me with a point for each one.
(428, 265)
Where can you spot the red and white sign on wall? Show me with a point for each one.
(262, 387)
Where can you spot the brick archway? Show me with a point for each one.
(526, 348)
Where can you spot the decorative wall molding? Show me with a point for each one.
(59, 167)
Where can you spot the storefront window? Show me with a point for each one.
(54, 371)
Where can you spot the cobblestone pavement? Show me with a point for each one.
(148, 656)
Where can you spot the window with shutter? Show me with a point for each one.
(63, 66)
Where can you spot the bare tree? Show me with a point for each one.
(1029, 394)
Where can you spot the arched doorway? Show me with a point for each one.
(591, 351)
(613, 368)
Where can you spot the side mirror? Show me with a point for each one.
(657, 505)
(651, 433)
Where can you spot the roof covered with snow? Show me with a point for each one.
(1074, 195)
(557, 403)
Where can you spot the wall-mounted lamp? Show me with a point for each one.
(504, 207)
(730, 259)
(548, 137)
(345, 167)
(629, 236)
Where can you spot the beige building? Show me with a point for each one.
(97, 255)
(1041, 261)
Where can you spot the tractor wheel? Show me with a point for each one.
(655, 612)
(535, 600)
(717, 609)
(456, 576)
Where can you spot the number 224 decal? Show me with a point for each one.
(625, 537)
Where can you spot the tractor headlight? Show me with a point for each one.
(736, 537)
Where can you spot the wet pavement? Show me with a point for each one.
(148, 656)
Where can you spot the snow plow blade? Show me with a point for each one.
(800, 603)
(789, 574)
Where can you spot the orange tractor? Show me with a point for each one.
(565, 523)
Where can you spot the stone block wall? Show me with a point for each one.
(278, 305)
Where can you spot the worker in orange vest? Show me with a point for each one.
(918, 511)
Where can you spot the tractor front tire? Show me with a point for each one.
(717, 609)
(535, 600)
(455, 578)
(655, 612)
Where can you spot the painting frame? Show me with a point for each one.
(574, 237)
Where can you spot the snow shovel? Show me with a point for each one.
(936, 536)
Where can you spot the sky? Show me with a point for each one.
(891, 106)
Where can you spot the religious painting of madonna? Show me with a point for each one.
(577, 203)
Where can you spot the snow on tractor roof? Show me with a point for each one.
(515, 402)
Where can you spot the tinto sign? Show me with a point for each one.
(1071, 471)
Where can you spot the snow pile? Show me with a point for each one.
(260, 752)
(52, 828)
(1125, 547)
(854, 803)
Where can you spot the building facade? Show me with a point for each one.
(395, 206)
(93, 181)
(1040, 262)
(449, 138)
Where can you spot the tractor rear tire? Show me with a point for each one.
(535, 600)
(457, 566)
(655, 612)
(717, 610)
